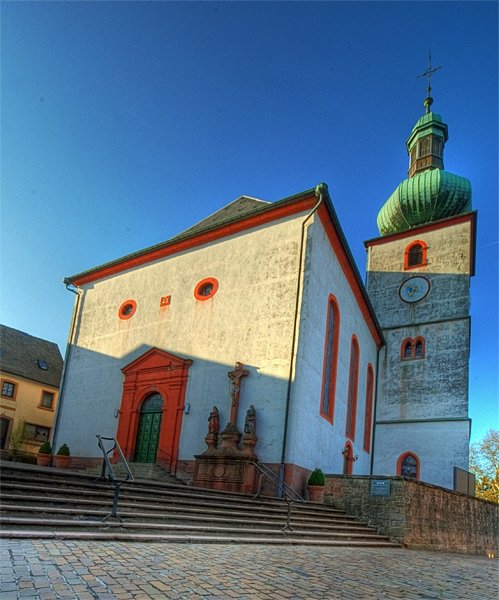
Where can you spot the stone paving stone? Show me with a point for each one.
(86, 570)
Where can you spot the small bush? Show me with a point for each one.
(317, 478)
(63, 450)
(45, 448)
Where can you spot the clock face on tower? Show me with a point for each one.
(414, 289)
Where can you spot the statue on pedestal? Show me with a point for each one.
(213, 422)
(250, 422)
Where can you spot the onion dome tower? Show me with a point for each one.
(418, 281)
(430, 193)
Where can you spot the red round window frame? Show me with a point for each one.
(202, 283)
(121, 314)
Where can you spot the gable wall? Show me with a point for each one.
(249, 320)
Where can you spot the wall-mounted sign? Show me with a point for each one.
(380, 487)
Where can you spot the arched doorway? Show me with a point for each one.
(149, 429)
(155, 372)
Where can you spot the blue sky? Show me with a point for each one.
(124, 123)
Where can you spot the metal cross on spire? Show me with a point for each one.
(428, 73)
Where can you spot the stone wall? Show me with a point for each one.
(419, 515)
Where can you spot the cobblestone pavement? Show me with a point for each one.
(49, 570)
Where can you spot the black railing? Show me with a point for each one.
(290, 495)
(107, 473)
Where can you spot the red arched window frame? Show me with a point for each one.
(348, 459)
(368, 416)
(413, 348)
(328, 391)
(400, 462)
(353, 383)
(416, 255)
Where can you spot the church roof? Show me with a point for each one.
(30, 357)
(241, 215)
(242, 206)
(237, 211)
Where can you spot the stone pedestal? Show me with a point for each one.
(232, 473)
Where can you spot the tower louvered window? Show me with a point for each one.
(415, 255)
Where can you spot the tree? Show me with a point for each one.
(484, 463)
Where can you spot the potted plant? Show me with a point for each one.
(315, 486)
(61, 459)
(44, 455)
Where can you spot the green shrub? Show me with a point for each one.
(63, 450)
(45, 448)
(317, 478)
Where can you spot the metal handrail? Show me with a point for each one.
(290, 495)
(106, 467)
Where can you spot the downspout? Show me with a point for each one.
(70, 287)
(375, 410)
(320, 190)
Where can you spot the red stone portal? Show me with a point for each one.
(156, 371)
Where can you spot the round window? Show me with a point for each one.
(206, 288)
(127, 309)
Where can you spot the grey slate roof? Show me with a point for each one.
(242, 206)
(20, 353)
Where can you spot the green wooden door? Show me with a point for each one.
(148, 431)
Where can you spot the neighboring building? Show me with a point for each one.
(30, 373)
(273, 286)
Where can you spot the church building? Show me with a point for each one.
(251, 335)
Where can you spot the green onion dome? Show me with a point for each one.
(426, 197)
(430, 193)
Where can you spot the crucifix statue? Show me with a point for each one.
(235, 389)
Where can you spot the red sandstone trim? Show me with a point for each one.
(400, 460)
(412, 343)
(125, 316)
(330, 371)
(348, 459)
(353, 383)
(424, 260)
(369, 408)
(131, 262)
(203, 282)
(346, 266)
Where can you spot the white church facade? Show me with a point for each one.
(349, 378)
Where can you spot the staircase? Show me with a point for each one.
(40, 502)
(147, 471)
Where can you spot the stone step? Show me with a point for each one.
(190, 529)
(161, 497)
(192, 539)
(149, 471)
(232, 517)
(60, 505)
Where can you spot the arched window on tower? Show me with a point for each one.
(416, 255)
(408, 465)
(330, 359)
(407, 349)
(413, 348)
